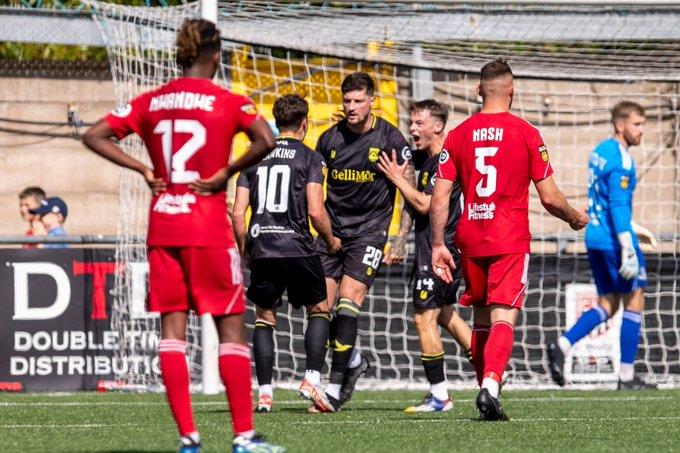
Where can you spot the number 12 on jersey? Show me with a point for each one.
(176, 164)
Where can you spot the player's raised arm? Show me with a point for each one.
(401, 159)
(99, 138)
(554, 201)
(403, 176)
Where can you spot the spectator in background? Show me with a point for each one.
(52, 212)
(30, 198)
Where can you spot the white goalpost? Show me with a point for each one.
(572, 61)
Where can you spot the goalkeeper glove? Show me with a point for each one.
(630, 267)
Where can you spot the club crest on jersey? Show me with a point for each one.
(544, 153)
(122, 111)
(255, 230)
(373, 154)
(249, 109)
(333, 153)
(406, 153)
(624, 182)
(423, 180)
(423, 294)
(443, 157)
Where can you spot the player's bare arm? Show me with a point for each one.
(396, 252)
(403, 177)
(238, 216)
(555, 203)
(262, 142)
(405, 180)
(319, 217)
(442, 260)
(99, 138)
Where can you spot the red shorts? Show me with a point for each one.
(203, 279)
(495, 280)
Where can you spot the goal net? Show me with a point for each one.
(571, 64)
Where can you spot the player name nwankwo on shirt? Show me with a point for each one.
(360, 200)
(187, 126)
(495, 156)
(279, 226)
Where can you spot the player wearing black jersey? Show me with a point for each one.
(360, 202)
(432, 298)
(282, 191)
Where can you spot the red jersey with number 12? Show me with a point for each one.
(187, 126)
(495, 156)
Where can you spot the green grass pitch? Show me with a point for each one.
(371, 422)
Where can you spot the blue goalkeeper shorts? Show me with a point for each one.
(605, 265)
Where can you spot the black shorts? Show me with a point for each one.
(301, 276)
(360, 258)
(430, 292)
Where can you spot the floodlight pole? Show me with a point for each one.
(209, 10)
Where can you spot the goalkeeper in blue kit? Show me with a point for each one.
(617, 264)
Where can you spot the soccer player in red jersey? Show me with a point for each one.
(495, 156)
(187, 126)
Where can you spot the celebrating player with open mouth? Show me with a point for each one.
(494, 155)
(432, 298)
(187, 126)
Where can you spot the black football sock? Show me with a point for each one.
(316, 339)
(263, 349)
(346, 327)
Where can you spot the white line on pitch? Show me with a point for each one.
(83, 425)
(445, 419)
(369, 401)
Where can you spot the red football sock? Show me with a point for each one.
(235, 373)
(480, 334)
(498, 349)
(175, 372)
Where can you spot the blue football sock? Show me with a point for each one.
(630, 336)
(587, 322)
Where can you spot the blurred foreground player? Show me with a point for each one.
(282, 191)
(187, 126)
(494, 155)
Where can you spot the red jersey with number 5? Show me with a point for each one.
(187, 126)
(495, 156)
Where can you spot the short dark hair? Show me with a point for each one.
(289, 111)
(436, 109)
(623, 109)
(32, 191)
(358, 81)
(494, 69)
